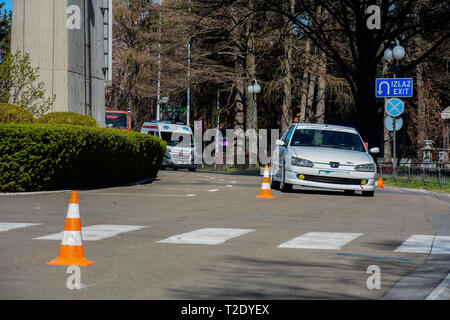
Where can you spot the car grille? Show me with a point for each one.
(333, 180)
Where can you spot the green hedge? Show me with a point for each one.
(52, 157)
(68, 118)
(12, 114)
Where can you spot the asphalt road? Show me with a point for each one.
(149, 241)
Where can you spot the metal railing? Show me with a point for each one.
(424, 172)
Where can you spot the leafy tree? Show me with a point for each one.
(20, 85)
(355, 50)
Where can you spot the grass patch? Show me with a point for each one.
(444, 188)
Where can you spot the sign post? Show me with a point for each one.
(394, 108)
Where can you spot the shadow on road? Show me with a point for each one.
(257, 278)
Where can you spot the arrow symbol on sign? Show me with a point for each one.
(379, 87)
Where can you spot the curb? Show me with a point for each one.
(236, 173)
(37, 193)
(423, 191)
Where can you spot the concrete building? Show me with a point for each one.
(69, 40)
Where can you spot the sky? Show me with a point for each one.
(8, 4)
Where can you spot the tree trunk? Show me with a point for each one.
(322, 84)
(321, 90)
(250, 66)
(286, 114)
(421, 127)
(366, 105)
(387, 146)
(305, 80)
(364, 92)
(239, 90)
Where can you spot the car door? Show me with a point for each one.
(278, 157)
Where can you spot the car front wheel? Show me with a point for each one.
(284, 187)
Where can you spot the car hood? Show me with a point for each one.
(326, 155)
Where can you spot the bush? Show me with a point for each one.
(11, 114)
(68, 118)
(51, 157)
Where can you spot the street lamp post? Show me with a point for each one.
(394, 52)
(188, 111)
(158, 99)
(253, 89)
(217, 129)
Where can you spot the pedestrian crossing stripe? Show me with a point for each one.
(426, 244)
(321, 240)
(96, 232)
(6, 226)
(207, 236)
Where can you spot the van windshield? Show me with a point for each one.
(177, 139)
(327, 139)
(116, 120)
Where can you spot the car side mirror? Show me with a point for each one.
(280, 143)
(374, 150)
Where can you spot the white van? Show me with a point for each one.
(180, 143)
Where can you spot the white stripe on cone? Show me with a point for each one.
(73, 211)
(265, 186)
(72, 238)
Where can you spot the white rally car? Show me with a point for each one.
(323, 156)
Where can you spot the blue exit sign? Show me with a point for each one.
(394, 88)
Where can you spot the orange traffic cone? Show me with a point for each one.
(71, 252)
(265, 188)
(380, 183)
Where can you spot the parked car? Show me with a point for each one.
(323, 156)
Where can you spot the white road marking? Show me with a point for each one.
(441, 245)
(180, 189)
(426, 244)
(417, 244)
(229, 186)
(442, 291)
(141, 194)
(321, 240)
(6, 226)
(207, 236)
(213, 190)
(96, 232)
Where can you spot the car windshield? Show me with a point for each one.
(116, 120)
(327, 139)
(177, 139)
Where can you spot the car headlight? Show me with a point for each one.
(167, 155)
(365, 167)
(302, 162)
